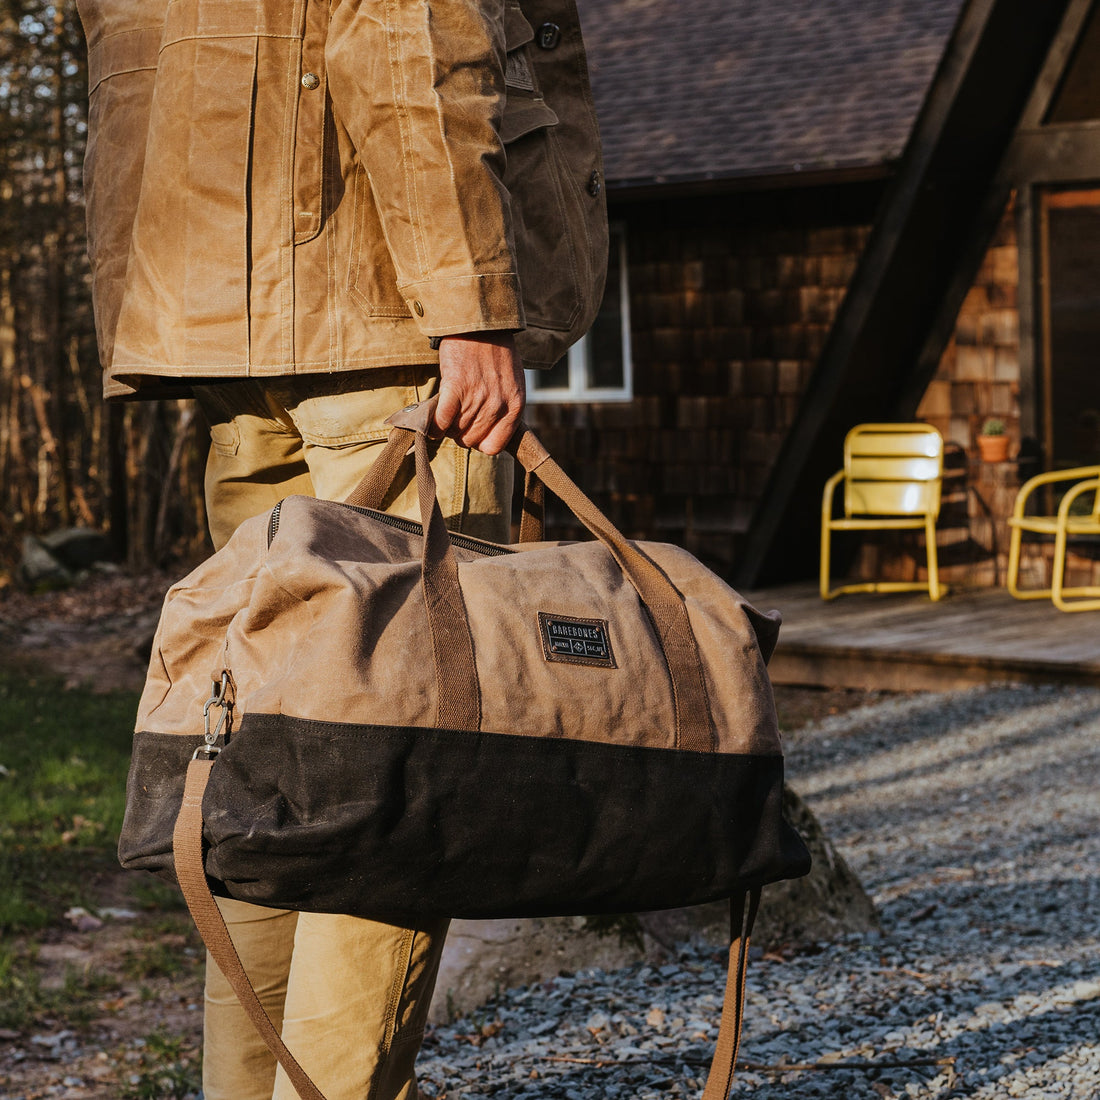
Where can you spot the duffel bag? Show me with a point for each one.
(347, 712)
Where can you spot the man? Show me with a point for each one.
(309, 215)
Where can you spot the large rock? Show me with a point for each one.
(39, 570)
(54, 560)
(827, 903)
(78, 548)
(483, 957)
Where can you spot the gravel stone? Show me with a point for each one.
(973, 820)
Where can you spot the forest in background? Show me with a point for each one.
(67, 458)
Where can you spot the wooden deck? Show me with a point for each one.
(906, 642)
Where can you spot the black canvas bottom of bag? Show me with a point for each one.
(389, 822)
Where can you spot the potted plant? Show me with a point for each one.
(992, 441)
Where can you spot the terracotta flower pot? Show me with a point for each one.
(993, 448)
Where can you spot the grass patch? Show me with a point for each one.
(163, 958)
(24, 1000)
(165, 1068)
(62, 795)
(64, 755)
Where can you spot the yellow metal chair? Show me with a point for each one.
(892, 479)
(1070, 522)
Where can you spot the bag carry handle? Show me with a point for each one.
(378, 482)
(187, 844)
(455, 669)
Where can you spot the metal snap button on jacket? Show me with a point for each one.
(311, 81)
(549, 35)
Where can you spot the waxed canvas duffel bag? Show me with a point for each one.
(363, 715)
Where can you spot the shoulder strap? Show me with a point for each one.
(743, 909)
(188, 848)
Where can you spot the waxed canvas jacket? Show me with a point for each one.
(292, 186)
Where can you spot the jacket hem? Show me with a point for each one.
(146, 381)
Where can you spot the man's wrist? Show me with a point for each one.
(500, 337)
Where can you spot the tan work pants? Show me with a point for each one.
(350, 995)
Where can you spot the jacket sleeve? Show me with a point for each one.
(419, 87)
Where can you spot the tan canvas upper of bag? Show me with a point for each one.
(329, 625)
(293, 186)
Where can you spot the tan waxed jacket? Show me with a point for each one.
(291, 186)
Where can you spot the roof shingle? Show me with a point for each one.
(721, 89)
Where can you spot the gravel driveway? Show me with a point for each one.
(973, 818)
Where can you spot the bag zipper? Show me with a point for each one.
(466, 542)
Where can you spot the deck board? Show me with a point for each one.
(905, 641)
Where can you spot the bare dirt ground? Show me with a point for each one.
(138, 977)
(94, 634)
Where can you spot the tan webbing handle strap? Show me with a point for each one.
(458, 705)
(187, 849)
(664, 603)
(377, 482)
(724, 1064)
(372, 489)
(532, 518)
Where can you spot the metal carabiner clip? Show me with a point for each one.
(217, 698)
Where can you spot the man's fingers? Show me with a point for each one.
(498, 438)
(469, 416)
(447, 407)
(481, 391)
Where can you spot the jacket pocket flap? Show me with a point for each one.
(521, 116)
(517, 31)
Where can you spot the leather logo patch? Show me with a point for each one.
(576, 641)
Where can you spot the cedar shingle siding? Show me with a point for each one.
(731, 299)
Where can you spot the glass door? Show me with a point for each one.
(1069, 256)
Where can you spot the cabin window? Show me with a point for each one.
(597, 367)
(1070, 302)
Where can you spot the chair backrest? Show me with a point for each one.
(893, 470)
(1095, 512)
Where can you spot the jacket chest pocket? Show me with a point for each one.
(546, 253)
(560, 230)
(546, 216)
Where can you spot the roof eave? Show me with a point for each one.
(779, 178)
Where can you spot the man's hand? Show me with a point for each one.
(481, 390)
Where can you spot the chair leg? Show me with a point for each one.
(934, 590)
(823, 581)
(1013, 576)
(1012, 580)
(1058, 581)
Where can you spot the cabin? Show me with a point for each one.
(827, 212)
